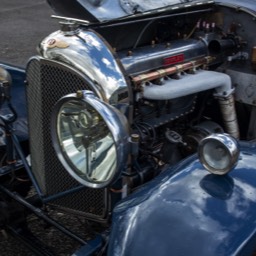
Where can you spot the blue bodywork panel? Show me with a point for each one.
(18, 99)
(187, 211)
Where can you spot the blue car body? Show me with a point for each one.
(187, 211)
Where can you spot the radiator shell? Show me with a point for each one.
(47, 82)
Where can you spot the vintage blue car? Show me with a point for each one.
(139, 116)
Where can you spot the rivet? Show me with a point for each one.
(129, 53)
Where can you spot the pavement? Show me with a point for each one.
(23, 24)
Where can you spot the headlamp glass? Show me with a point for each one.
(86, 135)
(86, 141)
(218, 153)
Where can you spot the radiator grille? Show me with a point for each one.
(48, 81)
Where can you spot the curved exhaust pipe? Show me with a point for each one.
(202, 80)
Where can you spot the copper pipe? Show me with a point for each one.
(159, 73)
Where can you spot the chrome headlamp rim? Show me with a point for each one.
(228, 143)
(116, 123)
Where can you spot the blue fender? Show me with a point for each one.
(187, 211)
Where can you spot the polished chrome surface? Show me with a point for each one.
(88, 53)
(90, 138)
(73, 20)
(219, 153)
(152, 57)
(229, 115)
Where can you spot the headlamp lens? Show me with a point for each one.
(86, 141)
(218, 153)
(90, 138)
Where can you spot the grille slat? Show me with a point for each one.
(48, 81)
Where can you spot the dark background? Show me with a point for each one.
(23, 24)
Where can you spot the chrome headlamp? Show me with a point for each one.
(90, 138)
(218, 153)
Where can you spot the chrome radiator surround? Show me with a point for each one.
(47, 82)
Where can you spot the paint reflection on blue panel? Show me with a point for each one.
(187, 211)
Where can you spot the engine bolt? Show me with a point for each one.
(135, 137)
(79, 94)
(129, 53)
